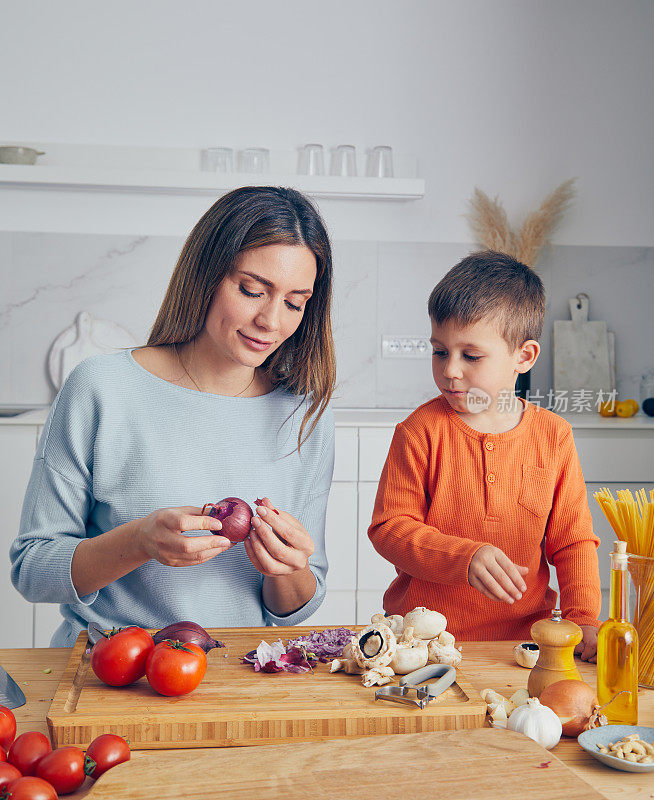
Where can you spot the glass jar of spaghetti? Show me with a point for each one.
(641, 569)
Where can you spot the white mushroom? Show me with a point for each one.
(374, 647)
(443, 653)
(411, 653)
(526, 654)
(426, 624)
(395, 622)
(377, 676)
(348, 665)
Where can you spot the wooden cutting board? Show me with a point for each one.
(583, 352)
(466, 765)
(234, 705)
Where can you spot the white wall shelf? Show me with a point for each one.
(176, 171)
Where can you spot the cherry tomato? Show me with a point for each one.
(8, 774)
(30, 788)
(119, 658)
(7, 727)
(63, 768)
(175, 668)
(105, 752)
(3, 756)
(27, 750)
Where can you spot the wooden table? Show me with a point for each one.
(487, 664)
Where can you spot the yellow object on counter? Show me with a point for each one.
(632, 519)
(626, 408)
(617, 648)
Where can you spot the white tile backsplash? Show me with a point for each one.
(46, 279)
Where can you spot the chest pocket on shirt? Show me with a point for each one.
(537, 489)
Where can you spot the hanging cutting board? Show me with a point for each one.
(457, 765)
(584, 352)
(85, 337)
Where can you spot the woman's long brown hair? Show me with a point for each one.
(244, 219)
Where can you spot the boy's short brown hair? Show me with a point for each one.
(494, 286)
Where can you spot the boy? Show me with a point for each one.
(481, 489)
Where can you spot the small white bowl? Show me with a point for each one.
(11, 154)
(613, 733)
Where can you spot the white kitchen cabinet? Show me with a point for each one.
(47, 618)
(608, 458)
(373, 449)
(17, 448)
(341, 537)
(338, 609)
(374, 573)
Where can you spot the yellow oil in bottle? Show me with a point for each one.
(617, 649)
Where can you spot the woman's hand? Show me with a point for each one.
(160, 536)
(493, 573)
(278, 544)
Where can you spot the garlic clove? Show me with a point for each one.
(520, 697)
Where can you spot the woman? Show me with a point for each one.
(229, 398)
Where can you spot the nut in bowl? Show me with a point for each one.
(606, 740)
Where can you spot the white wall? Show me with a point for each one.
(513, 96)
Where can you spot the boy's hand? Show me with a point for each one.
(587, 647)
(493, 573)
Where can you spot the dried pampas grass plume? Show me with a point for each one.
(491, 228)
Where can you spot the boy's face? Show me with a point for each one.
(471, 360)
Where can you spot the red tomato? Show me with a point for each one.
(105, 752)
(3, 755)
(27, 750)
(7, 727)
(31, 789)
(119, 658)
(175, 668)
(8, 773)
(63, 768)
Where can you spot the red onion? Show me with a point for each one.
(235, 515)
(187, 632)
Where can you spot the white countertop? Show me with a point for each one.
(387, 418)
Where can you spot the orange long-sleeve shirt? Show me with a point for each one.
(446, 490)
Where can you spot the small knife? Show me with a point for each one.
(93, 634)
(11, 695)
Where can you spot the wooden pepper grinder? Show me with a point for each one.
(556, 639)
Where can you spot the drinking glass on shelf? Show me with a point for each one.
(254, 159)
(380, 162)
(343, 161)
(310, 160)
(217, 159)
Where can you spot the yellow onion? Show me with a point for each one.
(575, 704)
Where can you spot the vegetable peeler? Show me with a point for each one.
(410, 693)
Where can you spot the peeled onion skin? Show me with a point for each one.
(235, 516)
(187, 632)
(575, 704)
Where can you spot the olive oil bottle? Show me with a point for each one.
(617, 648)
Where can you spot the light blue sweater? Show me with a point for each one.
(120, 443)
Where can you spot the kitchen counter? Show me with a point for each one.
(389, 417)
(486, 664)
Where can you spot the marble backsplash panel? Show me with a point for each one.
(379, 288)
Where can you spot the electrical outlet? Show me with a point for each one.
(406, 347)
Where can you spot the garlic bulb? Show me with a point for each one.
(538, 722)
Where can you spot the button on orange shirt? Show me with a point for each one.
(447, 489)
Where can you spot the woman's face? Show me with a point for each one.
(260, 303)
